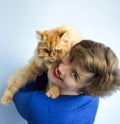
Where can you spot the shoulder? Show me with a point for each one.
(81, 109)
(88, 99)
(81, 100)
(66, 99)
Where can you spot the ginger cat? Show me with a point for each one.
(54, 44)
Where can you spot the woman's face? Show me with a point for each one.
(68, 75)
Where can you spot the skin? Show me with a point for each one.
(69, 76)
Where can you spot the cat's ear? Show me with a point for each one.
(61, 33)
(65, 36)
(39, 33)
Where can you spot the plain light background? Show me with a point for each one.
(98, 20)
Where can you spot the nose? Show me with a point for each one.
(63, 68)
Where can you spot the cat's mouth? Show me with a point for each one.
(56, 72)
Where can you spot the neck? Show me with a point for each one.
(68, 92)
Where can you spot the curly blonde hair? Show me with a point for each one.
(100, 60)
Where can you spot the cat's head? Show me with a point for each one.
(54, 44)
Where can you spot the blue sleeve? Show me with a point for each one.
(22, 101)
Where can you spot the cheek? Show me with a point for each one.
(50, 74)
(53, 79)
(71, 84)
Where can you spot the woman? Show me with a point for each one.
(88, 71)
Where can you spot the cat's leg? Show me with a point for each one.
(53, 90)
(10, 91)
(18, 80)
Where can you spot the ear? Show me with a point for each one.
(39, 33)
(61, 33)
(64, 36)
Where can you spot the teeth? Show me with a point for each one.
(57, 72)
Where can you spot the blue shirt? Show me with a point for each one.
(35, 107)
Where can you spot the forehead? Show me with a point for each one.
(51, 38)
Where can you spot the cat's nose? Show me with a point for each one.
(51, 54)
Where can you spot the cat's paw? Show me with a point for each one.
(7, 97)
(52, 94)
(6, 100)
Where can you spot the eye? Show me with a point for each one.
(57, 51)
(70, 60)
(74, 75)
(46, 50)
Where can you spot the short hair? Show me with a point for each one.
(100, 60)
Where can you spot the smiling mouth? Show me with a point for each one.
(56, 72)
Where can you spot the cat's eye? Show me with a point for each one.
(57, 51)
(46, 50)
